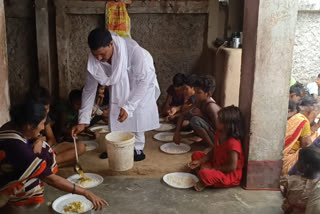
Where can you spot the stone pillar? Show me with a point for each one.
(4, 87)
(269, 32)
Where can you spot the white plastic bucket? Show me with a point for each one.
(120, 146)
(100, 136)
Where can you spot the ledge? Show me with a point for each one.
(98, 7)
(226, 50)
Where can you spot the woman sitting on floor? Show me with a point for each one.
(24, 165)
(298, 134)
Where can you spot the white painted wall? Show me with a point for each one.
(306, 53)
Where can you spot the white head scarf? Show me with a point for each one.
(119, 76)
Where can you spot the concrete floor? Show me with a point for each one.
(141, 189)
(150, 195)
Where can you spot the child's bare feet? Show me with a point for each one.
(199, 186)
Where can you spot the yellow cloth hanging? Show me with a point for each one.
(117, 18)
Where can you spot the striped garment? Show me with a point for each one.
(21, 170)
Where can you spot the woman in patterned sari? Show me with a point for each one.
(298, 134)
(25, 165)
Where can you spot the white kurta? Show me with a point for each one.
(139, 94)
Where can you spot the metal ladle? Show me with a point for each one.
(77, 166)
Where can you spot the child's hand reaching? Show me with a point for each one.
(176, 138)
(172, 111)
(194, 164)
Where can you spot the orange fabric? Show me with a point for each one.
(18, 185)
(295, 125)
(55, 170)
(117, 18)
(33, 200)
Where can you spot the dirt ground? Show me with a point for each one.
(156, 164)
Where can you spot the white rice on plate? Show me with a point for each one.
(180, 181)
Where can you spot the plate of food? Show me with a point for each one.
(88, 181)
(165, 127)
(164, 136)
(90, 145)
(72, 203)
(173, 148)
(100, 129)
(180, 180)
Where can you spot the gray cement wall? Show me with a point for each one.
(4, 100)
(306, 57)
(21, 46)
(176, 43)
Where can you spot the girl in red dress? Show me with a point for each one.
(222, 166)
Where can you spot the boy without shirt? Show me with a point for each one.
(204, 113)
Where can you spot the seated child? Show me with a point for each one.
(65, 153)
(296, 189)
(100, 109)
(189, 94)
(68, 115)
(175, 94)
(203, 114)
(222, 166)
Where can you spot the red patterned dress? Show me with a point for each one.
(216, 178)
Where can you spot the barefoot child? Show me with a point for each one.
(100, 110)
(222, 166)
(203, 114)
(65, 153)
(297, 188)
(175, 94)
(189, 95)
(68, 115)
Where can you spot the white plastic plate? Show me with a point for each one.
(172, 148)
(180, 180)
(162, 119)
(96, 179)
(90, 145)
(100, 129)
(164, 136)
(165, 127)
(59, 204)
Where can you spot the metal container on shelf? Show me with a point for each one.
(235, 42)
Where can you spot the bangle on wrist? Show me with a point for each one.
(74, 188)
